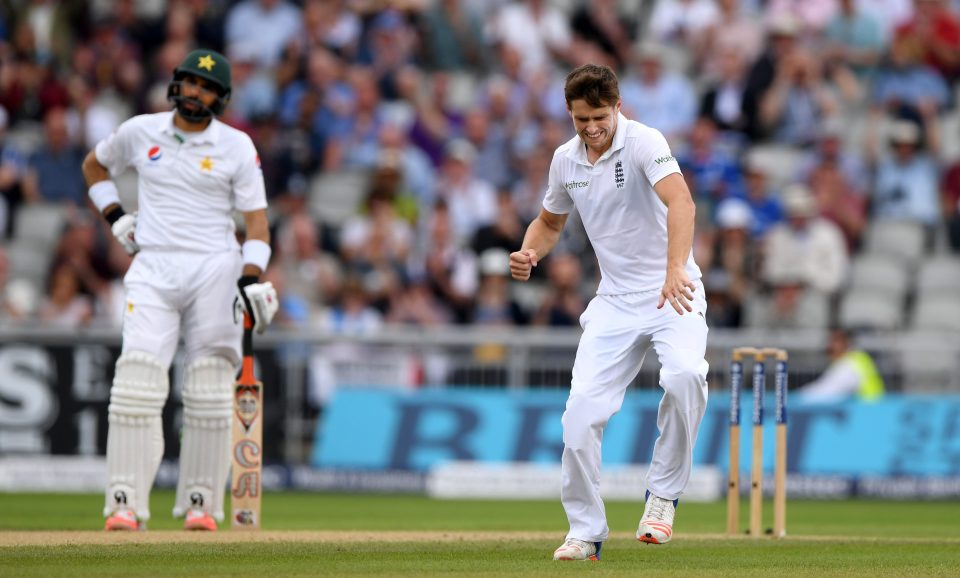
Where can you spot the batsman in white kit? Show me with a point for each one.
(639, 215)
(189, 272)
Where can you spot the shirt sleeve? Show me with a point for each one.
(557, 200)
(654, 157)
(114, 152)
(248, 189)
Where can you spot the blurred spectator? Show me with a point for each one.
(806, 248)
(28, 90)
(564, 301)
(53, 174)
(811, 15)
(12, 168)
(64, 306)
(18, 297)
(890, 14)
(450, 269)
(726, 100)
(829, 150)
(494, 304)
(605, 25)
(731, 265)
(415, 304)
(269, 25)
(765, 207)
(471, 201)
(798, 100)
(254, 92)
(492, 144)
(95, 117)
(935, 30)
(505, 232)
(905, 86)
(531, 183)
(361, 126)
(53, 25)
(378, 240)
(333, 25)
(713, 170)
(435, 121)
(839, 201)
(951, 204)
(854, 39)
(453, 38)
(311, 274)
(656, 97)
(388, 47)
(781, 43)
(733, 30)
(536, 30)
(852, 373)
(682, 21)
(906, 182)
(83, 248)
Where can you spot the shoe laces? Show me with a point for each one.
(582, 544)
(658, 508)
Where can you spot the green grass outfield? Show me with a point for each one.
(371, 535)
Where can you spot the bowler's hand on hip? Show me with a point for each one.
(123, 229)
(677, 291)
(259, 300)
(522, 262)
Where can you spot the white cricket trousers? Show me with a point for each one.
(618, 330)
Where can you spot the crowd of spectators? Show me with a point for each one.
(450, 111)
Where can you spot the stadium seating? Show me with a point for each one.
(939, 273)
(868, 309)
(903, 240)
(40, 225)
(870, 271)
(936, 311)
(336, 195)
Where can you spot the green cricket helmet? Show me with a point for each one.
(210, 66)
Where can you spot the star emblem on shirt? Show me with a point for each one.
(206, 164)
(206, 62)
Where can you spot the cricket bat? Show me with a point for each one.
(247, 443)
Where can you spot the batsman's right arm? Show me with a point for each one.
(541, 237)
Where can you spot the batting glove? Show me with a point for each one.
(259, 300)
(124, 229)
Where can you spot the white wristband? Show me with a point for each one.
(103, 194)
(256, 252)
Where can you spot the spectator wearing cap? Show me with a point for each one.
(906, 184)
(829, 151)
(494, 304)
(733, 261)
(806, 248)
(656, 96)
(254, 91)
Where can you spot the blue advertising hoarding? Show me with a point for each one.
(383, 430)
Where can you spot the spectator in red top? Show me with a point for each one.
(937, 30)
(951, 204)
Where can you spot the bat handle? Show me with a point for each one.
(247, 346)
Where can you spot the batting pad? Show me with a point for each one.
(135, 435)
(205, 453)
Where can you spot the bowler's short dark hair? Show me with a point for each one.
(594, 83)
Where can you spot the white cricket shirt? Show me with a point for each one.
(622, 214)
(188, 183)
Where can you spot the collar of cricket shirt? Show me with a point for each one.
(209, 135)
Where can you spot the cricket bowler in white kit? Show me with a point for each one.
(639, 215)
(189, 273)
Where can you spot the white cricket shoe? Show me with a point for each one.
(578, 550)
(656, 525)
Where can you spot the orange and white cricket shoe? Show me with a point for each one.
(199, 520)
(656, 525)
(578, 550)
(123, 520)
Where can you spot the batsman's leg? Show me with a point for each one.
(134, 437)
(205, 453)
